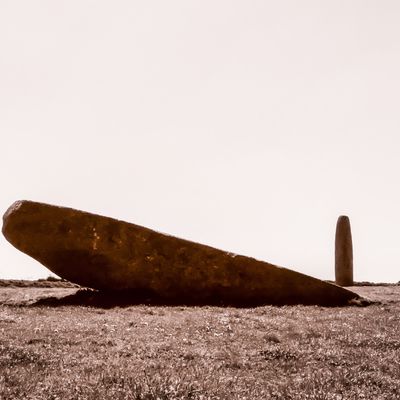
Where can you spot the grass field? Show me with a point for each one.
(148, 352)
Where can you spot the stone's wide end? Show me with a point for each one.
(16, 220)
(14, 207)
(7, 217)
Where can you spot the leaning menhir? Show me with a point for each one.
(107, 254)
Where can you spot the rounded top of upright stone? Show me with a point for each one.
(343, 222)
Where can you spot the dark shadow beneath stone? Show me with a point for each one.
(100, 299)
(126, 298)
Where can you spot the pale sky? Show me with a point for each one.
(249, 126)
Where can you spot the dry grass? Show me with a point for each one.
(142, 352)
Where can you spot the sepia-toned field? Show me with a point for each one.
(61, 351)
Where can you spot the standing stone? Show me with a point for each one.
(343, 252)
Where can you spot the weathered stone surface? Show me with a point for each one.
(343, 252)
(107, 254)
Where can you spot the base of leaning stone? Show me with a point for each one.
(109, 299)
